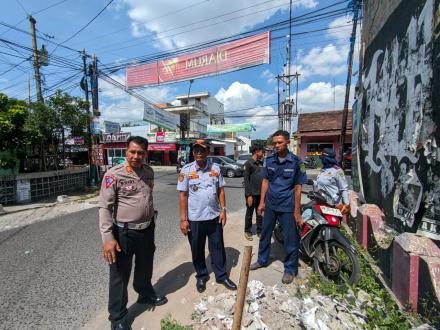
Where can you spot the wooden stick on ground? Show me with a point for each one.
(241, 293)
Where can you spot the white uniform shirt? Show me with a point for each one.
(202, 186)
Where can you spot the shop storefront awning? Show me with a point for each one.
(217, 143)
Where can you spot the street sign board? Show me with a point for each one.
(227, 128)
(118, 137)
(160, 117)
(111, 127)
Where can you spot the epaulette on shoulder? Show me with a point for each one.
(186, 166)
(116, 168)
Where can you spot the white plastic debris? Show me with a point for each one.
(255, 290)
(201, 307)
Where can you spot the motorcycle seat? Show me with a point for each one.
(306, 206)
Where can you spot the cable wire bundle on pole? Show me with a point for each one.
(356, 5)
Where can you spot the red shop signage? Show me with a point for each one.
(162, 147)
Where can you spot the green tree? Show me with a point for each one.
(71, 116)
(13, 114)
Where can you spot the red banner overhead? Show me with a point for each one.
(231, 56)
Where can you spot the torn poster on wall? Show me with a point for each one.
(399, 127)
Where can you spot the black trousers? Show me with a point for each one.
(249, 214)
(197, 239)
(138, 243)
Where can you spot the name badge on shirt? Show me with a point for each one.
(129, 188)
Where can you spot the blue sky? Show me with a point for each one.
(127, 29)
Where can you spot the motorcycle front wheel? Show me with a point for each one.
(343, 267)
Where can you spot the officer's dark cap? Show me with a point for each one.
(328, 152)
(202, 143)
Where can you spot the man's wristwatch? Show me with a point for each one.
(223, 209)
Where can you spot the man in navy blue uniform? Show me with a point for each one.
(283, 174)
(203, 214)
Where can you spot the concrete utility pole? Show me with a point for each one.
(356, 4)
(86, 94)
(36, 62)
(287, 101)
(188, 116)
(285, 108)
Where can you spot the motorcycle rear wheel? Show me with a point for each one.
(343, 268)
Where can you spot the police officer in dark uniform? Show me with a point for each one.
(203, 214)
(126, 222)
(283, 174)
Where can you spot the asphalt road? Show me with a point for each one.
(51, 273)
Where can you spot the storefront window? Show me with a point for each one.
(315, 149)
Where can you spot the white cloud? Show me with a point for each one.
(117, 105)
(269, 76)
(322, 96)
(165, 19)
(340, 28)
(245, 100)
(328, 61)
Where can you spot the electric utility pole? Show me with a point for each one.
(289, 55)
(285, 108)
(36, 61)
(85, 87)
(356, 5)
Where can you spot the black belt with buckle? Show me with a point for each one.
(136, 226)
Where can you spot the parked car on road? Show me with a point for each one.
(228, 167)
(243, 159)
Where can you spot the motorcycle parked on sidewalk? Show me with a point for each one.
(179, 166)
(321, 241)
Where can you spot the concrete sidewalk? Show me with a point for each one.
(49, 202)
(174, 277)
(79, 197)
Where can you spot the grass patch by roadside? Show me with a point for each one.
(381, 310)
(170, 324)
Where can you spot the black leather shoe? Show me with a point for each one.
(201, 284)
(255, 266)
(228, 284)
(121, 325)
(154, 300)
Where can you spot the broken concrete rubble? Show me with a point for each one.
(276, 308)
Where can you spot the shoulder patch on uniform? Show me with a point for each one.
(181, 176)
(302, 168)
(109, 180)
(341, 173)
(213, 173)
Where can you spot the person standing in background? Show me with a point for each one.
(252, 190)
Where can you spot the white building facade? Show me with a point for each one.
(202, 110)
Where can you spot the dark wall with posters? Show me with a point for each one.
(399, 115)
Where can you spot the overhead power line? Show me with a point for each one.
(85, 26)
(274, 27)
(296, 19)
(148, 21)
